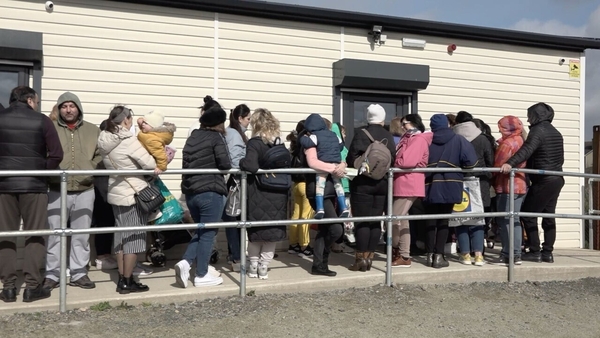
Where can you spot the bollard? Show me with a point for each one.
(63, 243)
(511, 228)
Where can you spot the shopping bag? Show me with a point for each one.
(233, 204)
(472, 203)
(172, 212)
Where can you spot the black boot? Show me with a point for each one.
(322, 270)
(439, 261)
(33, 294)
(429, 260)
(128, 284)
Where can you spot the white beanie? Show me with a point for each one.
(375, 114)
(154, 118)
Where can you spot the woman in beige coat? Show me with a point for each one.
(121, 150)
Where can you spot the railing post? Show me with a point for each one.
(243, 218)
(63, 242)
(390, 212)
(511, 228)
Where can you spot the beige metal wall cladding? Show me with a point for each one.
(157, 57)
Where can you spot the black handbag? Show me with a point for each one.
(148, 199)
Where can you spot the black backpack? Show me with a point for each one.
(277, 157)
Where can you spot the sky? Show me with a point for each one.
(558, 17)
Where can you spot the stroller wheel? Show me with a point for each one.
(490, 244)
(214, 257)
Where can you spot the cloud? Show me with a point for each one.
(592, 71)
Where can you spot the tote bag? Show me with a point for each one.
(471, 204)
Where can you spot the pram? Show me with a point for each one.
(165, 240)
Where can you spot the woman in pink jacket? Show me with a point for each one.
(412, 152)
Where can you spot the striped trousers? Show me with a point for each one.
(131, 242)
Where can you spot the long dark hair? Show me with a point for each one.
(242, 111)
(117, 115)
(415, 120)
(486, 130)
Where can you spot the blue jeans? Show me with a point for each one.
(233, 239)
(503, 204)
(470, 238)
(206, 207)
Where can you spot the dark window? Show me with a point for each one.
(11, 77)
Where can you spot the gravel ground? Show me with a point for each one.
(549, 309)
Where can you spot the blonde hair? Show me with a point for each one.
(264, 125)
(54, 113)
(396, 126)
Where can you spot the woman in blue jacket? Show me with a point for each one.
(443, 190)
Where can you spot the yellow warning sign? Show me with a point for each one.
(574, 69)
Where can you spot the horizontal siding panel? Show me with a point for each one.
(314, 61)
(533, 84)
(464, 100)
(275, 87)
(486, 83)
(230, 61)
(123, 10)
(127, 67)
(269, 49)
(161, 81)
(203, 48)
(279, 41)
(278, 27)
(560, 243)
(249, 94)
(276, 79)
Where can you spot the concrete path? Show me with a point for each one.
(290, 274)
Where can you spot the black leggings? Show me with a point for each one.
(326, 235)
(437, 229)
(367, 233)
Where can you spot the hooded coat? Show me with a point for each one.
(447, 150)
(122, 151)
(79, 143)
(544, 147)
(485, 155)
(412, 152)
(511, 129)
(155, 142)
(326, 141)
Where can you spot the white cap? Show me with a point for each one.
(155, 118)
(375, 114)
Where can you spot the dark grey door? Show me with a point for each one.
(11, 77)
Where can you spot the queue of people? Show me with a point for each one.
(69, 142)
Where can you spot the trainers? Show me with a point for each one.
(50, 284)
(213, 271)
(252, 270)
(465, 259)
(141, 270)
(503, 260)
(294, 249)
(319, 214)
(479, 260)
(307, 252)
(207, 280)
(345, 213)
(182, 273)
(263, 272)
(108, 263)
(535, 257)
(402, 262)
(83, 282)
(235, 266)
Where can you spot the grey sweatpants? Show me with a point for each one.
(80, 206)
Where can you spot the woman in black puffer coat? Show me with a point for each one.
(263, 204)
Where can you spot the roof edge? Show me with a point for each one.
(360, 20)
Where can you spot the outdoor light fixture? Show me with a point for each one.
(413, 43)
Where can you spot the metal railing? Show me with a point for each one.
(243, 224)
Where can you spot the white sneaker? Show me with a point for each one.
(108, 263)
(141, 270)
(252, 270)
(207, 280)
(213, 271)
(182, 273)
(263, 272)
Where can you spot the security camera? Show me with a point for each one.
(377, 29)
(561, 61)
(49, 6)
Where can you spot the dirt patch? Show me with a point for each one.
(548, 309)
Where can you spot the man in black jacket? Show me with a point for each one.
(543, 150)
(28, 141)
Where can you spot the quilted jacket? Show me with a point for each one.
(263, 205)
(155, 141)
(544, 147)
(123, 151)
